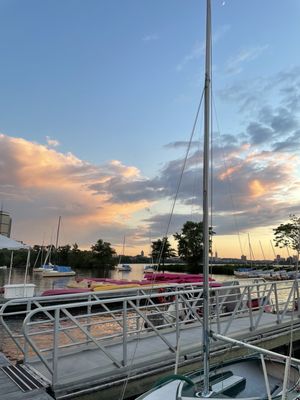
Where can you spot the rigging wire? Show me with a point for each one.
(164, 240)
(180, 179)
(229, 183)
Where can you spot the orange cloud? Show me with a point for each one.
(40, 184)
(257, 188)
(228, 172)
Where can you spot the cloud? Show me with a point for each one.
(39, 184)
(52, 142)
(196, 52)
(255, 179)
(259, 133)
(150, 38)
(198, 49)
(235, 63)
(180, 144)
(252, 96)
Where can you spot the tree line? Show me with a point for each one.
(189, 241)
(102, 254)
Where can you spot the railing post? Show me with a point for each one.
(276, 302)
(55, 346)
(250, 308)
(138, 318)
(177, 320)
(88, 320)
(218, 310)
(28, 309)
(125, 331)
(297, 295)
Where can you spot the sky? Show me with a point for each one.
(97, 103)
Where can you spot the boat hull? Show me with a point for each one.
(240, 379)
(54, 274)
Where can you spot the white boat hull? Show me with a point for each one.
(54, 274)
(242, 379)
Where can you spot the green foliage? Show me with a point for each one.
(161, 250)
(190, 245)
(103, 253)
(20, 257)
(288, 235)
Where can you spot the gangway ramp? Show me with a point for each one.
(94, 351)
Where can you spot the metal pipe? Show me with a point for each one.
(217, 336)
(206, 163)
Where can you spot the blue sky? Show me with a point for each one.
(120, 80)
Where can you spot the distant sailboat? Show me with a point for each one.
(264, 376)
(123, 267)
(54, 270)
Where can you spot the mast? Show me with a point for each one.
(206, 162)
(57, 232)
(57, 236)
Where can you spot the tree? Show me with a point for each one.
(63, 254)
(288, 235)
(162, 250)
(190, 245)
(103, 253)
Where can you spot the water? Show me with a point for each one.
(46, 283)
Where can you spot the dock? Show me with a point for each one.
(17, 384)
(112, 350)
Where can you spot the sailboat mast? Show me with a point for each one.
(206, 162)
(57, 232)
(57, 236)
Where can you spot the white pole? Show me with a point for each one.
(254, 348)
(285, 379)
(206, 163)
(262, 250)
(266, 376)
(26, 269)
(10, 266)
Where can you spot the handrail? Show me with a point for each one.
(125, 319)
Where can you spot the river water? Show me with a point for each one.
(46, 283)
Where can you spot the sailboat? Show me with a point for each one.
(123, 267)
(51, 271)
(266, 375)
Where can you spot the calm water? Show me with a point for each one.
(46, 283)
(43, 284)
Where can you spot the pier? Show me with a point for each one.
(86, 346)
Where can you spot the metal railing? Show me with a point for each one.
(50, 332)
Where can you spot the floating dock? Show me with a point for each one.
(18, 383)
(102, 353)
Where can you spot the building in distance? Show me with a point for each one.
(5, 223)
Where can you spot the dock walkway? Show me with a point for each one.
(10, 390)
(94, 348)
(149, 355)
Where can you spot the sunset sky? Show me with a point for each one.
(97, 104)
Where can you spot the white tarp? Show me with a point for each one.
(10, 244)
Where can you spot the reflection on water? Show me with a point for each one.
(100, 324)
(46, 283)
